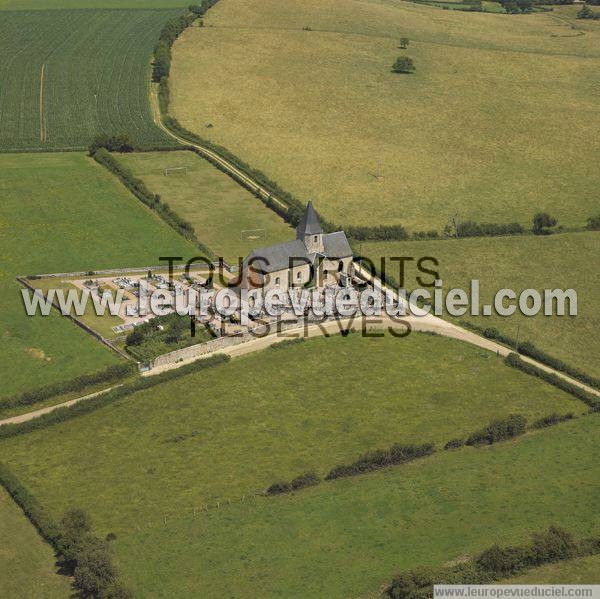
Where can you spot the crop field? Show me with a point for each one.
(70, 75)
(348, 537)
(564, 261)
(217, 207)
(74, 4)
(27, 563)
(322, 114)
(218, 434)
(62, 212)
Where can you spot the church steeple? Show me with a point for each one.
(309, 230)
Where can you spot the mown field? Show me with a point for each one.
(217, 207)
(70, 75)
(322, 114)
(585, 570)
(62, 212)
(223, 433)
(560, 261)
(27, 563)
(347, 538)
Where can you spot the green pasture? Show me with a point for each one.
(349, 537)
(495, 125)
(235, 429)
(70, 75)
(27, 563)
(562, 261)
(218, 208)
(60, 213)
(584, 570)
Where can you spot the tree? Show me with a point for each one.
(542, 223)
(403, 64)
(404, 41)
(593, 223)
(510, 6)
(525, 5)
(94, 571)
(587, 13)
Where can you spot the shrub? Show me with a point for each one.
(502, 561)
(593, 223)
(403, 64)
(308, 479)
(553, 545)
(454, 444)
(382, 458)
(543, 223)
(551, 420)
(499, 430)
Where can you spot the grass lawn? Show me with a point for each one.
(562, 261)
(226, 432)
(584, 570)
(217, 207)
(27, 563)
(347, 538)
(59, 213)
(322, 114)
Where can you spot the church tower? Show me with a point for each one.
(309, 231)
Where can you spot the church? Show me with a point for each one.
(313, 259)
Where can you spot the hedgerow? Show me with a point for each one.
(494, 564)
(138, 188)
(382, 458)
(499, 430)
(309, 479)
(529, 349)
(82, 554)
(592, 401)
(551, 420)
(108, 375)
(90, 405)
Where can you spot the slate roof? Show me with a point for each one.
(277, 257)
(309, 225)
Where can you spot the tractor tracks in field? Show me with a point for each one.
(43, 134)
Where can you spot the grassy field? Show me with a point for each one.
(27, 563)
(347, 538)
(59, 213)
(322, 114)
(218, 208)
(222, 433)
(559, 261)
(71, 75)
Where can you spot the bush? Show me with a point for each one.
(553, 545)
(403, 64)
(593, 223)
(499, 430)
(503, 561)
(470, 228)
(112, 143)
(543, 223)
(551, 420)
(308, 479)
(374, 460)
(454, 444)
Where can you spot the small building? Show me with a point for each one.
(314, 258)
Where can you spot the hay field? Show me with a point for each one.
(496, 123)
